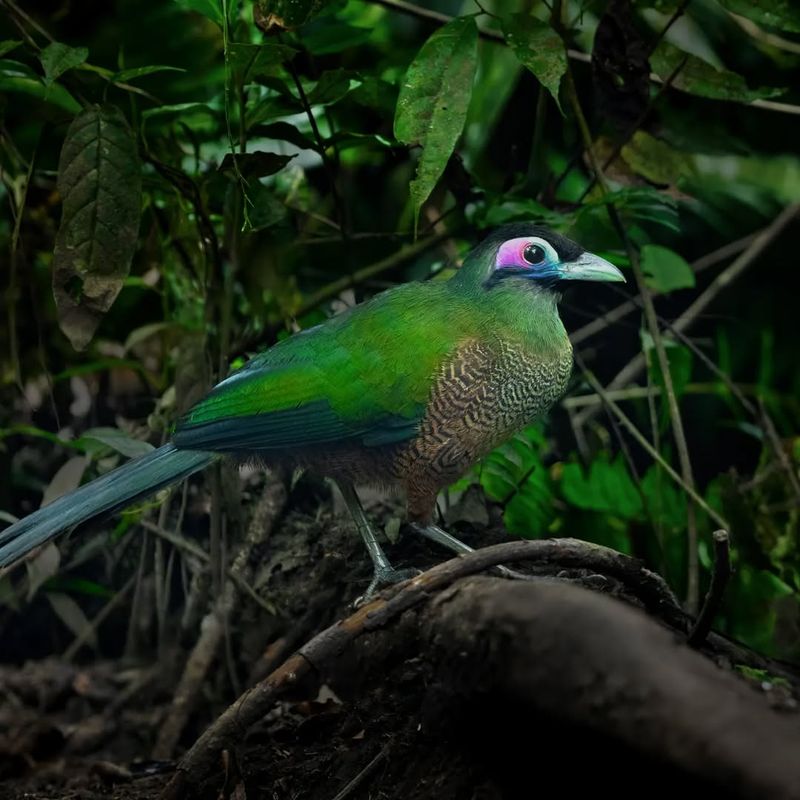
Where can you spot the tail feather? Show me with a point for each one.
(117, 489)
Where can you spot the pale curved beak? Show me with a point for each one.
(589, 267)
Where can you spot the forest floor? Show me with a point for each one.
(487, 689)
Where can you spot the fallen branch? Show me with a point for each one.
(320, 654)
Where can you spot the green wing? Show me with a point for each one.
(362, 377)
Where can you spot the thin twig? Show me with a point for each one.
(623, 309)
(760, 243)
(645, 444)
(364, 773)
(679, 435)
(719, 580)
(326, 162)
(84, 636)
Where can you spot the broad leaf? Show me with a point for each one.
(263, 210)
(781, 14)
(539, 49)
(211, 9)
(42, 567)
(18, 77)
(251, 61)
(57, 58)
(100, 183)
(655, 160)
(665, 270)
(128, 75)
(117, 440)
(71, 614)
(434, 100)
(700, 78)
(254, 165)
(607, 488)
(272, 15)
(67, 479)
(285, 132)
(7, 45)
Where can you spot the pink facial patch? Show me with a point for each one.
(510, 254)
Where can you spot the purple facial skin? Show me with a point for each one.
(510, 254)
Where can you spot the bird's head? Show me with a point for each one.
(533, 256)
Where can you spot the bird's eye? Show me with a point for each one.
(534, 254)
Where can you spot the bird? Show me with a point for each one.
(410, 388)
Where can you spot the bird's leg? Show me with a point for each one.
(447, 540)
(384, 572)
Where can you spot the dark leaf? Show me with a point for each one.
(211, 9)
(57, 58)
(781, 14)
(7, 45)
(620, 69)
(285, 132)
(254, 165)
(128, 75)
(277, 15)
(251, 61)
(100, 183)
(434, 99)
(539, 49)
(264, 210)
(17, 77)
(700, 78)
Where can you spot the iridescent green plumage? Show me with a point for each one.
(409, 388)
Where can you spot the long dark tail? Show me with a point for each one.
(119, 488)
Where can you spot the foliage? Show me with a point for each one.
(188, 181)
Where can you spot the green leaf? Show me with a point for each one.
(539, 49)
(655, 160)
(251, 61)
(332, 86)
(434, 100)
(17, 77)
(272, 15)
(128, 75)
(182, 110)
(57, 58)
(665, 270)
(7, 45)
(117, 440)
(332, 35)
(781, 14)
(607, 488)
(285, 132)
(700, 78)
(211, 9)
(264, 210)
(254, 165)
(100, 183)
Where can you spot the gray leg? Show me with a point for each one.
(448, 541)
(384, 572)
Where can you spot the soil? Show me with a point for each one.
(84, 730)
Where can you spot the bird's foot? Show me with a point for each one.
(385, 577)
(447, 540)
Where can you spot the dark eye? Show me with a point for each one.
(534, 254)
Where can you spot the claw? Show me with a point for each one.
(385, 577)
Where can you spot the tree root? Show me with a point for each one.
(556, 649)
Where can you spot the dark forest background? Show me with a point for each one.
(242, 170)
